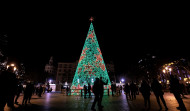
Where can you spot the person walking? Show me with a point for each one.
(19, 90)
(145, 90)
(8, 84)
(175, 89)
(102, 83)
(157, 89)
(89, 90)
(96, 91)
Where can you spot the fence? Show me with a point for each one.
(81, 92)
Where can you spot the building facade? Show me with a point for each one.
(50, 71)
(65, 72)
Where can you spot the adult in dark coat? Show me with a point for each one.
(175, 89)
(40, 91)
(112, 89)
(8, 85)
(145, 90)
(67, 90)
(157, 89)
(89, 90)
(26, 94)
(133, 90)
(96, 91)
(102, 83)
(19, 90)
(31, 90)
(127, 91)
(85, 91)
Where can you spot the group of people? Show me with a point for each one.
(157, 89)
(116, 90)
(12, 89)
(87, 89)
(131, 90)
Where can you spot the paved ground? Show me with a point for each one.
(58, 102)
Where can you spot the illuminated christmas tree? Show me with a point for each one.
(90, 65)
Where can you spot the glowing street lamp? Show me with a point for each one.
(164, 71)
(12, 64)
(170, 69)
(14, 68)
(122, 80)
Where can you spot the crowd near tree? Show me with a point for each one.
(12, 88)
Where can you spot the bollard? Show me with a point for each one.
(81, 92)
(108, 92)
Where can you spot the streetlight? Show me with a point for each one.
(122, 80)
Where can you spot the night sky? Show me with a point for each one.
(124, 34)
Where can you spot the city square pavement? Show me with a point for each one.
(56, 101)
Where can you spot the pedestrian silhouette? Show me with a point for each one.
(40, 91)
(8, 84)
(127, 91)
(31, 90)
(102, 83)
(67, 90)
(19, 90)
(157, 89)
(175, 89)
(26, 94)
(89, 90)
(48, 87)
(85, 91)
(145, 90)
(121, 88)
(112, 89)
(133, 90)
(96, 91)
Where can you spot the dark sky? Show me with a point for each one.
(124, 34)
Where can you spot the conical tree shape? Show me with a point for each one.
(90, 65)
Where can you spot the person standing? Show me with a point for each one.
(89, 90)
(85, 91)
(40, 91)
(67, 90)
(175, 89)
(102, 83)
(8, 84)
(157, 89)
(145, 90)
(26, 94)
(127, 91)
(96, 91)
(133, 90)
(121, 88)
(31, 90)
(112, 88)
